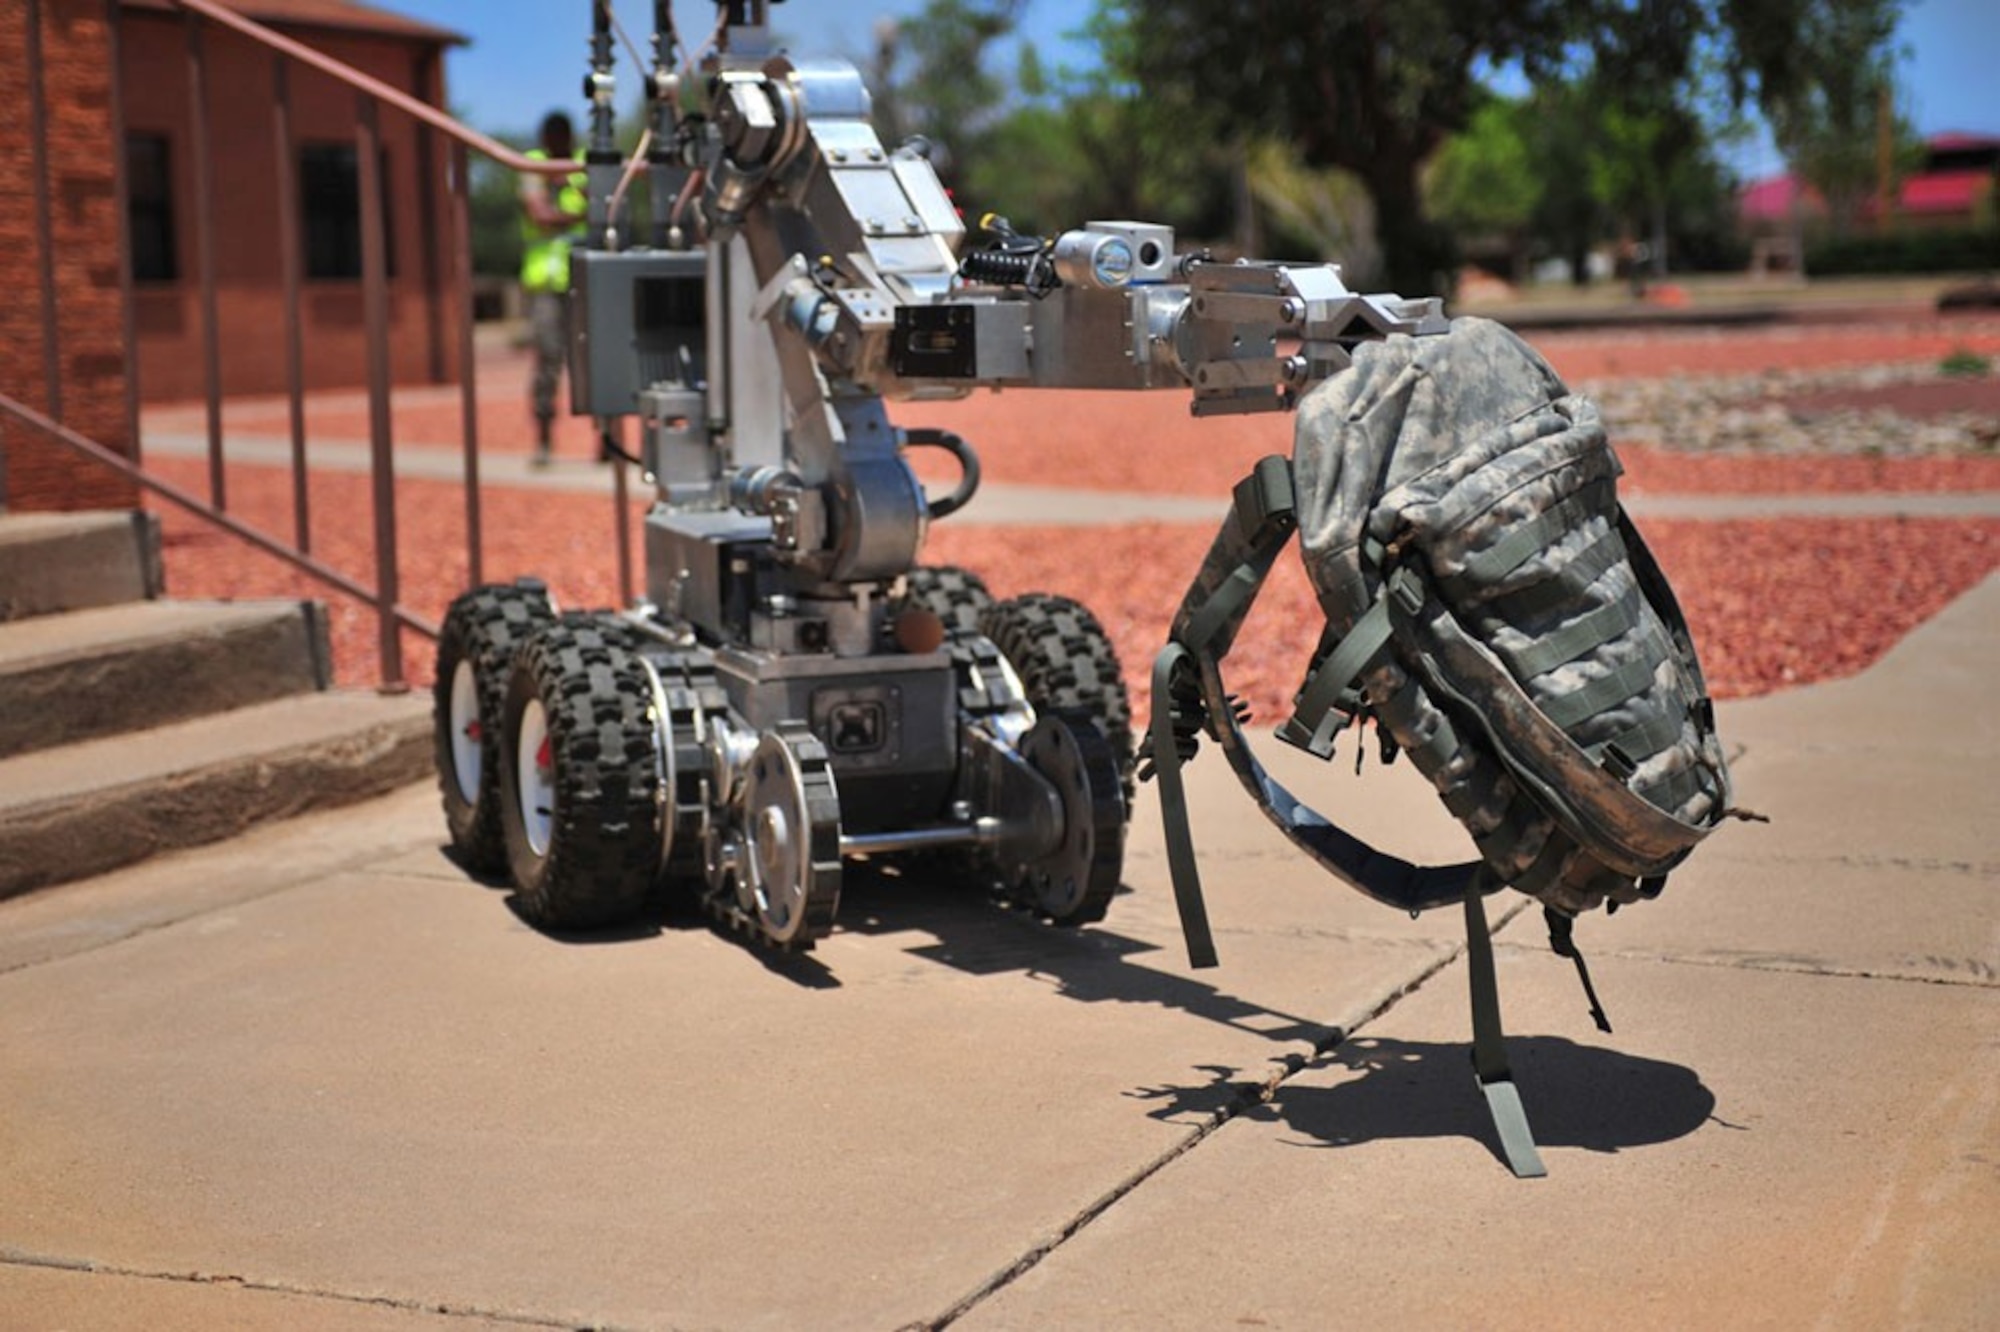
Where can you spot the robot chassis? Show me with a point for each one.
(796, 691)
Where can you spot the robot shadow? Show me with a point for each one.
(1368, 1089)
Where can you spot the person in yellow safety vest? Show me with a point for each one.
(553, 211)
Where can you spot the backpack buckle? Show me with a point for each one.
(1265, 502)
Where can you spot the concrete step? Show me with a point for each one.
(82, 674)
(84, 808)
(54, 562)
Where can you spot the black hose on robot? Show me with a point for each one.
(968, 465)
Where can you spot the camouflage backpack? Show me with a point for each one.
(1490, 607)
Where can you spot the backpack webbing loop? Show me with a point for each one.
(1319, 718)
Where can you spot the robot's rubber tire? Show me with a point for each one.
(581, 807)
(956, 596)
(475, 654)
(1067, 665)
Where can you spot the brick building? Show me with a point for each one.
(95, 159)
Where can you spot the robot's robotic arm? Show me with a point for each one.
(837, 274)
(883, 298)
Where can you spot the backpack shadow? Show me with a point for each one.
(1584, 1096)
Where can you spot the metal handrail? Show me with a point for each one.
(124, 466)
(391, 615)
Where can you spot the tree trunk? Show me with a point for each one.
(1249, 228)
(1417, 254)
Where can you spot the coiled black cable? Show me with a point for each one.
(1008, 268)
(1010, 259)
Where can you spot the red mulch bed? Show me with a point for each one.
(1650, 353)
(1920, 401)
(1148, 444)
(1772, 603)
(1656, 471)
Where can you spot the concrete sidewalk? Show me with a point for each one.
(318, 1078)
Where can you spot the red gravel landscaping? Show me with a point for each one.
(1580, 354)
(1773, 603)
(1657, 471)
(1974, 394)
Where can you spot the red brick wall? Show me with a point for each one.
(84, 229)
(249, 277)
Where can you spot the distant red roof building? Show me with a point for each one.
(1957, 178)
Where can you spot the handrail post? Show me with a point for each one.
(468, 389)
(204, 249)
(284, 182)
(128, 314)
(428, 78)
(381, 451)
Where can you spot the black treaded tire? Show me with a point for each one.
(481, 631)
(1066, 664)
(592, 857)
(956, 596)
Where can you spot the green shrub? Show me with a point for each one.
(1955, 250)
(1965, 364)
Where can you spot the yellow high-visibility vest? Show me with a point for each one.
(545, 257)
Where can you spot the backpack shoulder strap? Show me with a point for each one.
(1258, 527)
(1489, 1047)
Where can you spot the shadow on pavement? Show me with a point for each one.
(1576, 1096)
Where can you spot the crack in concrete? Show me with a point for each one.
(1248, 1097)
(12, 1257)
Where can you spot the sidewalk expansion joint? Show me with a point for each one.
(1248, 1097)
(1977, 975)
(12, 1257)
(1984, 869)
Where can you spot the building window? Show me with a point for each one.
(149, 208)
(330, 192)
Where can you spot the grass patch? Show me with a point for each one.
(1964, 364)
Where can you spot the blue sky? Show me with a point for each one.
(527, 56)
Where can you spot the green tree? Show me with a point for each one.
(1049, 149)
(1314, 212)
(1376, 86)
(1826, 117)
(1487, 181)
(931, 78)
